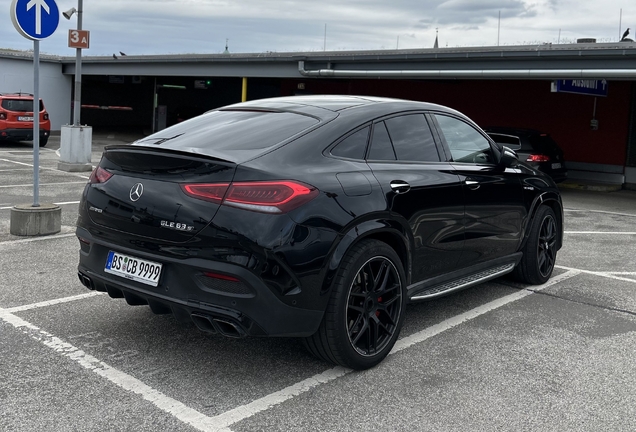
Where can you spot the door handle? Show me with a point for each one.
(472, 184)
(400, 187)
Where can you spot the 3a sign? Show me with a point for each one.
(35, 19)
(79, 39)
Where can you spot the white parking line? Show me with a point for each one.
(235, 415)
(45, 168)
(601, 211)
(42, 184)
(34, 239)
(52, 302)
(609, 275)
(602, 232)
(171, 406)
(222, 422)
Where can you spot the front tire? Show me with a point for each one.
(366, 310)
(539, 253)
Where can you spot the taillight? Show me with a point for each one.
(208, 192)
(3, 116)
(538, 158)
(99, 175)
(266, 197)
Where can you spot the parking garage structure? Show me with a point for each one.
(543, 87)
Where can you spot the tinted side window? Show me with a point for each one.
(465, 143)
(354, 146)
(412, 138)
(381, 147)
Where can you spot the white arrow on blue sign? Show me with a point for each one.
(35, 19)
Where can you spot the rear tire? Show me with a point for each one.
(539, 253)
(366, 308)
(43, 141)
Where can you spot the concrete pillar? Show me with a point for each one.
(75, 148)
(27, 220)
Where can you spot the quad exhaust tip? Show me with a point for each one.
(214, 325)
(205, 323)
(86, 281)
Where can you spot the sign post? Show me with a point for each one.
(76, 139)
(35, 20)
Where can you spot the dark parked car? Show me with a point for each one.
(313, 217)
(537, 149)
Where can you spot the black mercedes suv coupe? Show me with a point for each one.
(316, 217)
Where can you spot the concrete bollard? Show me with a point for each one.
(27, 220)
(75, 148)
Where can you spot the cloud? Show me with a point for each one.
(201, 26)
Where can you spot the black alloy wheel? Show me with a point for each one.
(546, 250)
(374, 306)
(540, 250)
(366, 308)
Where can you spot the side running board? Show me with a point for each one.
(464, 282)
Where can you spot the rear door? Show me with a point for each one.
(420, 189)
(493, 196)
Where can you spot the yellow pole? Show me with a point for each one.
(244, 93)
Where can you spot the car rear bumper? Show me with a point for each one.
(21, 134)
(247, 308)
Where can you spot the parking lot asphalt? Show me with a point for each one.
(500, 356)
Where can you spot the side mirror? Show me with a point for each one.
(509, 158)
(510, 141)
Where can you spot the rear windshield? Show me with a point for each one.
(231, 135)
(20, 105)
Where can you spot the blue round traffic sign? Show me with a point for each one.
(35, 19)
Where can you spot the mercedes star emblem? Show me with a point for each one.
(136, 191)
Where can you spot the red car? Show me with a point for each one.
(16, 118)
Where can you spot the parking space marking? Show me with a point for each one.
(601, 211)
(165, 403)
(222, 422)
(45, 168)
(235, 415)
(42, 184)
(601, 232)
(34, 239)
(597, 273)
(26, 151)
(59, 204)
(52, 302)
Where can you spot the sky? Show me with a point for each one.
(139, 27)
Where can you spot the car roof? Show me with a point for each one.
(301, 115)
(17, 95)
(324, 107)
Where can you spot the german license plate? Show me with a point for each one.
(146, 272)
(25, 118)
(556, 165)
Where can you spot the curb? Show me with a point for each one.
(596, 187)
